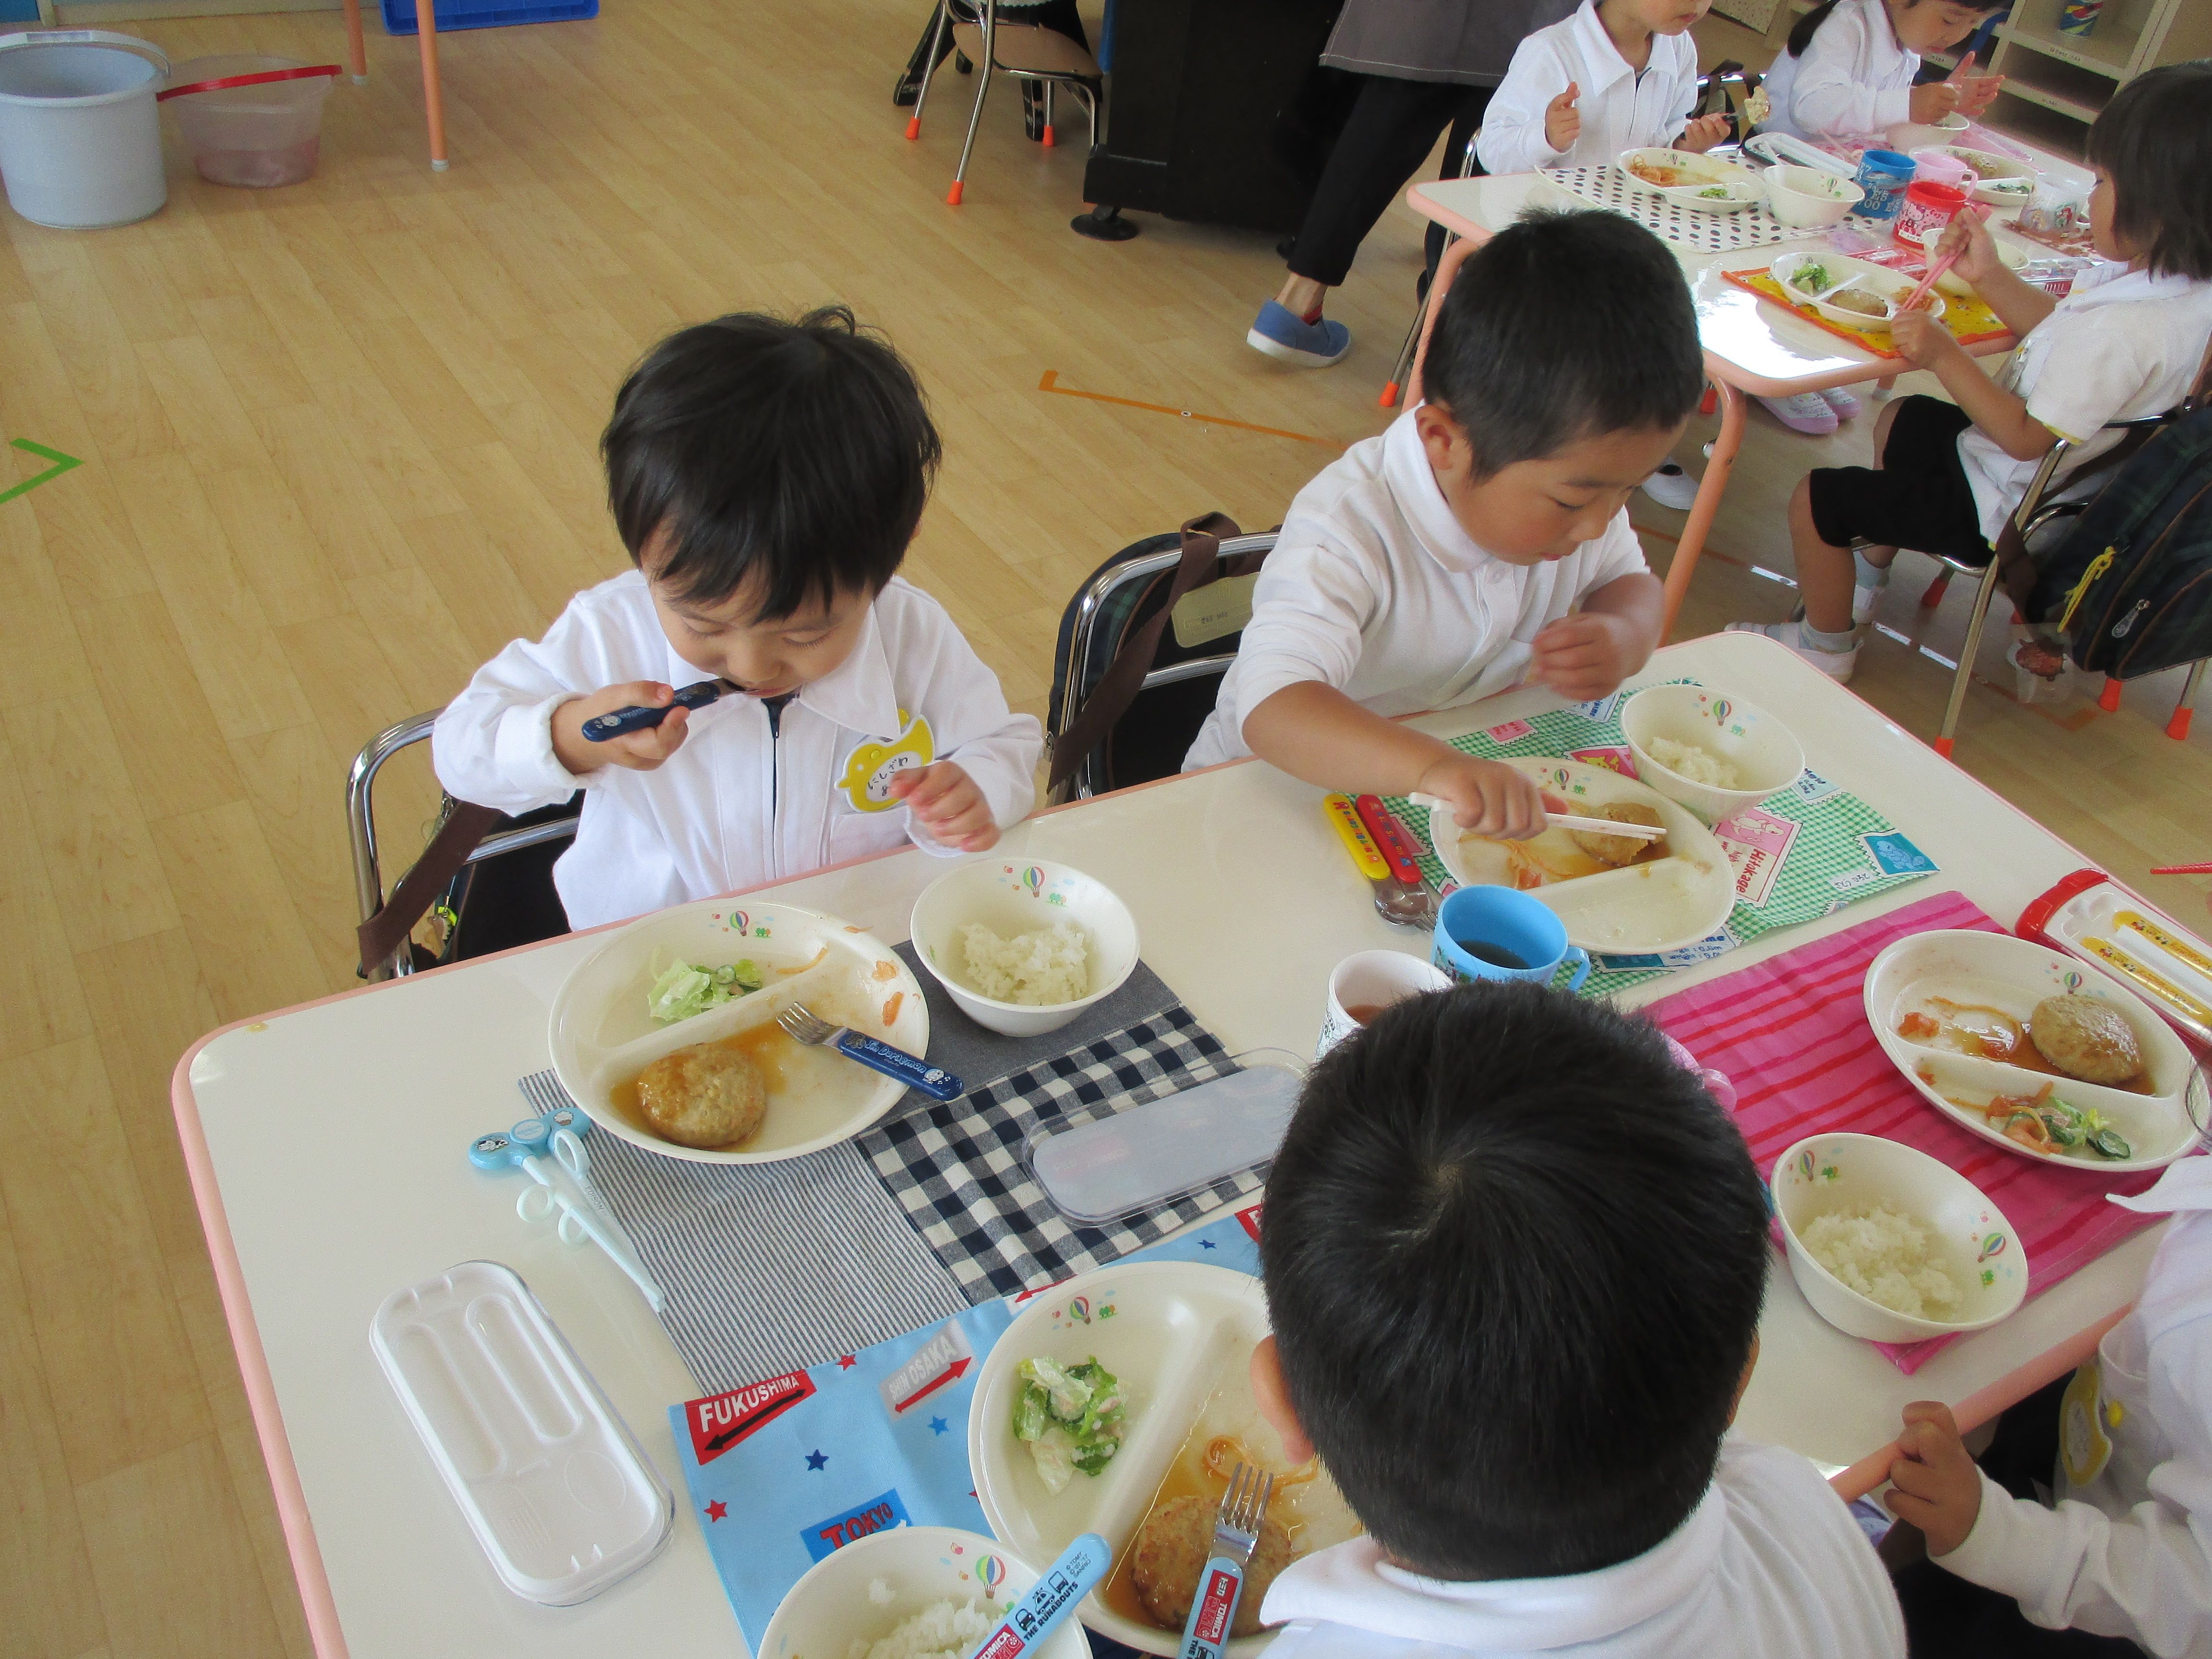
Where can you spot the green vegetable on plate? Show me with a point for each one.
(1069, 1416)
(685, 989)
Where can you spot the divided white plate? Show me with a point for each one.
(1997, 970)
(602, 1036)
(1846, 273)
(1660, 906)
(1174, 1334)
(1701, 174)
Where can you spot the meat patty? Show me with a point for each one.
(1620, 849)
(1172, 1549)
(704, 1096)
(2086, 1038)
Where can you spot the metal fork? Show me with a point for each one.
(1237, 1526)
(810, 1029)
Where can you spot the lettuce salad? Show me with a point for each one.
(1070, 1416)
(683, 990)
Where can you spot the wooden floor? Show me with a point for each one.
(337, 446)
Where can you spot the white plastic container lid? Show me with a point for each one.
(1148, 1154)
(548, 1475)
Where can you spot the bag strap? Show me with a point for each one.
(1124, 677)
(383, 934)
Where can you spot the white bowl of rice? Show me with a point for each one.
(910, 1593)
(1024, 947)
(1890, 1245)
(1711, 752)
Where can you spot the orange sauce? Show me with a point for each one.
(766, 1045)
(1975, 1028)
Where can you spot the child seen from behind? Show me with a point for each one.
(766, 477)
(2127, 341)
(1514, 1256)
(1484, 537)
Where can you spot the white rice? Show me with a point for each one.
(1035, 969)
(947, 1630)
(1698, 765)
(1884, 1256)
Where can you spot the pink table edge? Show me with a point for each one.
(307, 1570)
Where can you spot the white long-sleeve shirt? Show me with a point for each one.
(1854, 77)
(747, 798)
(2127, 1549)
(1375, 589)
(1769, 1565)
(1621, 108)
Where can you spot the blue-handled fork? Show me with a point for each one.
(639, 715)
(912, 1070)
(1235, 1536)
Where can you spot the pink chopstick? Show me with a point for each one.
(1935, 271)
(2181, 869)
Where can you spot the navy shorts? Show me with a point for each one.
(1917, 498)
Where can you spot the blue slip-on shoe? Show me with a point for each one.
(1287, 337)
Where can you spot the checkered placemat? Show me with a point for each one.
(1608, 186)
(959, 1171)
(1803, 853)
(772, 1267)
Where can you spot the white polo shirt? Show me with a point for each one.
(1374, 588)
(1854, 78)
(2128, 1550)
(2123, 343)
(1621, 108)
(1770, 1565)
(745, 799)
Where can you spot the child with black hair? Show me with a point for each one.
(1484, 537)
(766, 477)
(1514, 1257)
(1848, 67)
(2127, 341)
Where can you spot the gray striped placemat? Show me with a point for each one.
(772, 1267)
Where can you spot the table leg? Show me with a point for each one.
(1734, 413)
(434, 96)
(356, 53)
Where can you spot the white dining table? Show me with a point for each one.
(1752, 347)
(326, 1145)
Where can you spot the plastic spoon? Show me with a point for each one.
(1058, 1587)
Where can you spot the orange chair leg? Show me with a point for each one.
(2109, 698)
(913, 126)
(1048, 140)
(1944, 746)
(1934, 596)
(1390, 398)
(2178, 728)
(953, 196)
(1709, 402)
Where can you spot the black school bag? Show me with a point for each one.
(2130, 584)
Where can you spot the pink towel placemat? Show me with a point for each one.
(1793, 1036)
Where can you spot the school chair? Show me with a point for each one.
(1416, 331)
(1128, 693)
(2038, 509)
(1026, 50)
(484, 879)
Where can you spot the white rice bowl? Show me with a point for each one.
(1886, 1257)
(1690, 760)
(871, 1591)
(942, 1630)
(1024, 904)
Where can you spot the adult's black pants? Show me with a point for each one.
(1391, 128)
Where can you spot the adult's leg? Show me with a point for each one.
(1389, 132)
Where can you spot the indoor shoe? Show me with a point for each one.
(1672, 487)
(1807, 412)
(1284, 335)
(1835, 664)
(1845, 405)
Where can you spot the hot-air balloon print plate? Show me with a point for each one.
(1661, 903)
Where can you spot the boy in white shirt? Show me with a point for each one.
(766, 477)
(2127, 341)
(1514, 1256)
(1484, 537)
(2126, 1549)
(1848, 67)
(1618, 74)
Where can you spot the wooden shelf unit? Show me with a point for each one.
(2072, 75)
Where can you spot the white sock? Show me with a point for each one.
(1866, 573)
(1813, 640)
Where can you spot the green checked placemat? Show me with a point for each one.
(1799, 854)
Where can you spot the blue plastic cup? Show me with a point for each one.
(1494, 933)
(1883, 174)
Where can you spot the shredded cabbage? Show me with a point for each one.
(684, 989)
(1070, 1416)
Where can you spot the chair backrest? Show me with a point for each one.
(534, 830)
(1151, 737)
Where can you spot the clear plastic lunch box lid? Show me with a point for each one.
(546, 1472)
(1143, 1157)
